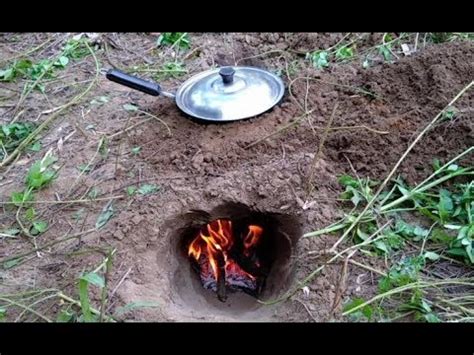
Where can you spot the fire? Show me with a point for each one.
(211, 250)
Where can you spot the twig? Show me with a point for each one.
(158, 119)
(50, 119)
(77, 303)
(308, 278)
(367, 267)
(318, 154)
(25, 307)
(26, 53)
(128, 128)
(394, 169)
(47, 245)
(70, 201)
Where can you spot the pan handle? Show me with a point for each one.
(133, 82)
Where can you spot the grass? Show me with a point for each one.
(420, 230)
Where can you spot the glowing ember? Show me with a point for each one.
(212, 249)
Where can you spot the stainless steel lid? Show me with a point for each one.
(230, 93)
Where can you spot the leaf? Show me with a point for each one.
(129, 107)
(381, 246)
(134, 305)
(385, 51)
(65, 316)
(84, 300)
(93, 193)
(431, 318)
(11, 232)
(347, 180)
(431, 256)
(94, 279)
(320, 59)
(19, 198)
(131, 190)
(452, 167)
(367, 310)
(39, 175)
(170, 38)
(11, 263)
(147, 189)
(344, 53)
(39, 227)
(3, 313)
(445, 205)
(136, 150)
(35, 147)
(105, 216)
(62, 61)
(30, 214)
(7, 74)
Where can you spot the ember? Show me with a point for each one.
(226, 259)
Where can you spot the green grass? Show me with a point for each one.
(443, 208)
(181, 39)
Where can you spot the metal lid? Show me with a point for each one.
(230, 93)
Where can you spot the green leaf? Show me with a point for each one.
(452, 167)
(35, 147)
(170, 38)
(39, 227)
(62, 62)
(134, 305)
(146, 189)
(7, 74)
(131, 190)
(3, 313)
(130, 107)
(379, 244)
(105, 215)
(39, 173)
(30, 214)
(320, 59)
(19, 198)
(431, 256)
(345, 53)
(367, 310)
(93, 193)
(11, 263)
(431, 318)
(347, 180)
(65, 316)
(385, 51)
(11, 232)
(84, 300)
(136, 150)
(445, 205)
(94, 279)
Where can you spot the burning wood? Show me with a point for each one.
(211, 251)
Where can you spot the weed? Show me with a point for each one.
(11, 136)
(39, 175)
(170, 38)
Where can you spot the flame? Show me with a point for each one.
(214, 242)
(253, 237)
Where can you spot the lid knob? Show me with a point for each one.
(227, 74)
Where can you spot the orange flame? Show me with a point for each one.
(217, 238)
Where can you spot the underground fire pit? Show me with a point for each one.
(235, 248)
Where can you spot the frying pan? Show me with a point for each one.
(218, 95)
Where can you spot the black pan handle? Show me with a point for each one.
(133, 82)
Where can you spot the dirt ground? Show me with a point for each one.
(199, 166)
